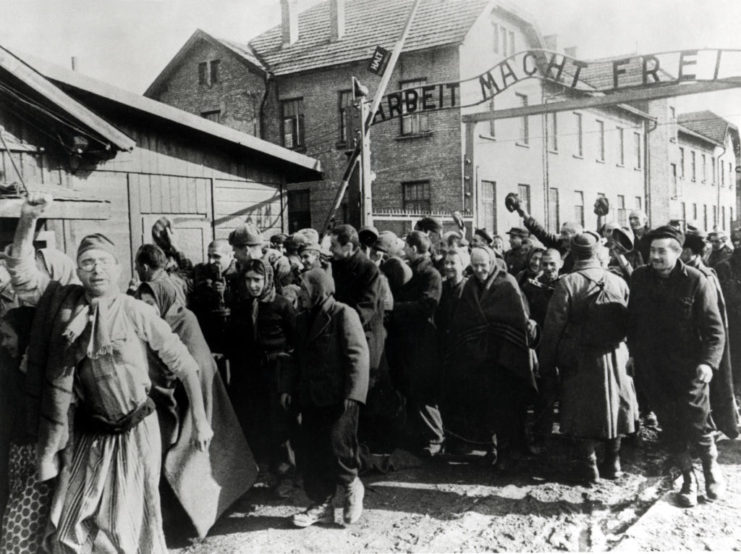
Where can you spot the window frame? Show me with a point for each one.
(345, 127)
(417, 115)
(579, 206)
(412, 204)
(579, 135)
(601, 138)
(299, 126)
(523, 138)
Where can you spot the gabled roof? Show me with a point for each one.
(368, 23)
(242, 52)
(18, 69)
(707, 124)
(309, 168)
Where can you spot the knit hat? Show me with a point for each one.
(96, 241)
(319, 284)
(666, 232)
(246, 234)
(584, 245)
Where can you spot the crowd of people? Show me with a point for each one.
(125, 412)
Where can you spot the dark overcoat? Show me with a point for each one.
(331, 357)
(729, 274)
(358, 284)
(674, 325)
(413, 347)
(598, 399)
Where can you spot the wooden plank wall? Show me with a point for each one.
(164, 175)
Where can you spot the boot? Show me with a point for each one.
(353, 509)
(610, 467)
(687, 497)
(715, 484)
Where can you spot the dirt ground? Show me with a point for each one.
(462, 505)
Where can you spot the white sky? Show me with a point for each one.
(127, 42)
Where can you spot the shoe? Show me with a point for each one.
(432, 450)
(687, 496)
(590, 472)
(715, 484)
(316, 513)
(650, 420)
(354, 493)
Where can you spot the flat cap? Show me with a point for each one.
(519, 232)
(246, 234)
(666, 232)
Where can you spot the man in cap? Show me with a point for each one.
(88, 355)
(639, 224)
(247, 242)
(277, 242)
(561, 242)
(676, 339)
(480, 238)
(516, 256)
(721, 251)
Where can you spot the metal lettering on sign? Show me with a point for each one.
(606, 77)
(379, 60)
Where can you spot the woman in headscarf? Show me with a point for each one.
(205, 484)
(491, 362)
(532, 266)
(261, 332)
(24, 501)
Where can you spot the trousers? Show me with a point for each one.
(330, 454)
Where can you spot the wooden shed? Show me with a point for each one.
(117, 161)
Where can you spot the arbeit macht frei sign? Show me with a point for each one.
(597, 76)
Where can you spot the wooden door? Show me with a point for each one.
(193, 234)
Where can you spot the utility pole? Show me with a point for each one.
(355, 157)
(366, 174)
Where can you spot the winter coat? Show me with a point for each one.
(205, 303)
(445, 313)
(413, 346)
(331, 361)
(598, 399)
(729, 275)
(516, 260)
(358, 284)
(538, 293)
(674, 325)
(722, 398)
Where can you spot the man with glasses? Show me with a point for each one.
(88, 355)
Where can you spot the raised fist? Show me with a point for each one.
(35, 205)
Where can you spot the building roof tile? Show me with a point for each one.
(707, 124)
(368, 23)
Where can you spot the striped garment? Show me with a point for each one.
(108, 497)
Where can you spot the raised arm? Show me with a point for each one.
(28, 281)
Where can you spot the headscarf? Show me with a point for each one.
(530, 255)
(165, 294)
(492, 259)
(265, 269)
(59, 266)
(20, 320)
(319, 284)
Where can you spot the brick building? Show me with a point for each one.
(291, 85)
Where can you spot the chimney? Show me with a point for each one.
(551, 42)
(571, 51)
(289, 21)
(336, 19)
(73, 63)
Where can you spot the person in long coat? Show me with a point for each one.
(677, 339)
(205, 484)
(490, 337)
(729, 275)
(413, 352)
(261, 330)
(358, 284)
(598, 401)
